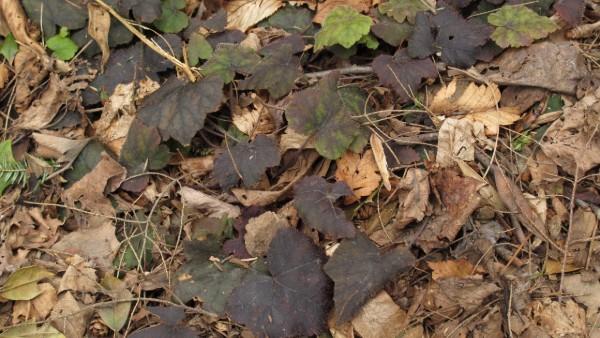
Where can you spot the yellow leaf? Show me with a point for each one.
(22, 284)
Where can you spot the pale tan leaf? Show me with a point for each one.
(456, 141)
(464, 97)
(381, 160)
(117, 116)
(413, 196)
(4, 74)
(213, 206)
(359, 173)
(69, 317)
(59, 148)
(323, 8)
(253, 120)
(381, 318)
(99, 244)
(98, 28)
(16, 20)
(261, 230)
(243, 14)
(453, 268)
(486, 191)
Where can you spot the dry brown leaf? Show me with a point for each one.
(574, 141)
(585, 288)
(212, 205)
(98, 28)
(380, 318)
(459, 268)
(582, 229)
(323, 8)
(117, 116)
(71, 319)
(43, 110)
(243, 14)
(552, 267)
(414, 197)
(4, 74)
(542, 169)
(99, 244)
(291, 139)
(560, 319)
(486, 191)
(198, 166)
(16, 20)
(36, 309)
(79, 276)
(254, 120)
(456, 141)
(359, 173)
(30, 72)
(29, 229)
(261, 230)
(381, 160)
(59, 148)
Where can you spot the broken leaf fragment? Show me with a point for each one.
(518, 26)
(343, 26)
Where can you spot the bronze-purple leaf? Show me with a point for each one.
(315, 200)
(359, 271)
(294, 299)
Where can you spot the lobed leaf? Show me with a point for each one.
(344, 26)
(518, 26)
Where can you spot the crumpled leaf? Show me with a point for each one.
(518, 26)
(279, 68)
(451, 296)
(37, 308)
(246, 162)
(456, 141)
(459, 268)
(72, 316)
(98, 28)
(403, 73)
(343, 26)
(142, 149)
(586, 290)
(370, 271)
(229, 59)
(172, 19)
(23, 283)
(571, 11)
(359, 172)
(213, 206)
(323, 112)
(294, 299)
(71, 14)
(456, 39)
(402, 10)
(261, 230)
(201, 278)
(178, 109)
(315, 198)
(243, 14)
(62, 46)
(413, 197)
(99, 244)
(381, 318)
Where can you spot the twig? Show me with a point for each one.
(354, 69)
(185, 68)
(583, 31)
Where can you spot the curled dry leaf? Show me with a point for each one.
(44, 109)
(453, 268)
(99, 244)
(254, 121)
(380, 318)
(98, 28)
(413, 196)
(559, 319)
(456, 141)
(4, 75)
(117, 115)
(17, 22)
(243, 14)
(30, 71)
(359, 173)
(582, 228)
(59, 148)
(213, 206)
(381, 160)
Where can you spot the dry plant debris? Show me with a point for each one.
(301, 168)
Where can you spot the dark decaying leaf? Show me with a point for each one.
(402, 73)
(292, 19)
(201, 278)
(143, 10)
(458, 40)
(294, 299)
(215, 23)
(236, 246)
(178, 109)
(392, 32)
(246, 161)
(141, 152)
(229, 59)
(170, 326)
(133, 63)
(570, 10)
(359, 271)
(315, 200)
(52, 13)
(325, 113)
(403, 9)
(279, 68)
(228, 36)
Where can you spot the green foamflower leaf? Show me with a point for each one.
(172, 19)
(62, 46)
(198, 49)
(402, 10)
(343, 26)
(229, 59)
(518, 26)
(9, 47)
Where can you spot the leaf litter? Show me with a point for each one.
(298, 168)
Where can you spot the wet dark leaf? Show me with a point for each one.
(294, 299)
(370, 271)
(229, 59)
(143, 10)
(178, 109)
(391, 31)
(215, 23)
(421, 42)
(246, 161)
(402, 73)
(315, 200)
(52, 13)
(172, 18)
(292, 19)
(170, 327)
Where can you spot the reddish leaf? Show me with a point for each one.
(246, 161)
(570, 10)
(315, 198)
(403, 73)
(294, 299)
(359, 272)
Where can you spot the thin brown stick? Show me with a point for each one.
(152, 45)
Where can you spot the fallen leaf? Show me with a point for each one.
(292, 19)
(582, 228)
(115, 315)
(229, 59)
(403, 73)
(16, 20)
(79, 276)
(456, 141)
(560, 320)
(202, 279)
(572, 142)
(530, 67)
(391, 31)
(23, 283)
(459, 268)
(69, 316)
(518, 26)
(4, 75)
(585, 289)
(413, 197)
(380, 318)
(254, 120)
(315, 198)
(59, 148)
(117, 116)
(371, 270)
(487, 191)
(98, 28)
(236, 246)
(246, 161)
(172, 19)
(325, 7)
(261, 230)
(293, 300)
(30, 229)
(99, 244)
(344, 26)
(170, 326)
(43, 110)
(380, 160)
(178, 109)
(214, 207)
(360, 173)
(32, 330)
(37, 308)
(243, 14)
(542, 169)
(402, 10)
(571, 11)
